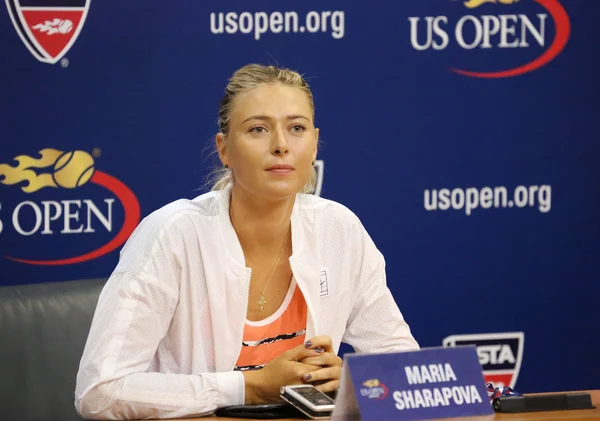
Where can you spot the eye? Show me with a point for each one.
(257, 129)
(298, 128)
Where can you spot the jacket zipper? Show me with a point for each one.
(308, 310)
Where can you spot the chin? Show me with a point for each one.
(281, 189)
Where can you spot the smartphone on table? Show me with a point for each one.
(309, 400)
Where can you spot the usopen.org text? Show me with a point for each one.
(472, 198)
(259, 23)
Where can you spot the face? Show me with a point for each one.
(272, 141)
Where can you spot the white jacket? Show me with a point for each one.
(168, 326)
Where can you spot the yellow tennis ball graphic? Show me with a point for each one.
(73, 169)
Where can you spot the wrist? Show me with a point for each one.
(251, 386)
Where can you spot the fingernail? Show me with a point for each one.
(307, 377)
(318, 349)
(308, 344)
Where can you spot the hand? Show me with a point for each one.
(263, 386)
(326, 377)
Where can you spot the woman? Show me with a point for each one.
(221, 300)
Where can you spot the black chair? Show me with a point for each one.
(43, 329)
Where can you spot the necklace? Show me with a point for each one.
(262, 300)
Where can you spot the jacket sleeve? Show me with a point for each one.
(375, 323)
(134, 311)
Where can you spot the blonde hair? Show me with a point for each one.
(245, 79)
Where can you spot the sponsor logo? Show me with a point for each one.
(493, 31)
(69, 170)
(324, 283)
(374, 389)
(500, 354)
(48, 28)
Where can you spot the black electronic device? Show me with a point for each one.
(309, 400)
(543, 402)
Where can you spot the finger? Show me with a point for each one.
(304, 368)
(326, 359)
(300, 352)
(327, 373)
(323, 341)
(329, 386)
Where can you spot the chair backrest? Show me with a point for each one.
(43, 330)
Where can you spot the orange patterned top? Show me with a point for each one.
(283, 330)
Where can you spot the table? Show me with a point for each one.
(579, 415)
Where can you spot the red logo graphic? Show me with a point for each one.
(48, 31)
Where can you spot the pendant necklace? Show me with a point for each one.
(262, 301)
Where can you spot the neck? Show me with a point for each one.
(260, 224)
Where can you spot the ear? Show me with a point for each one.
(314, 156)
(222, 148)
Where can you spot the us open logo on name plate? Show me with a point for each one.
(374, 389)
(66, 207)
(48, 28)
(500, 354)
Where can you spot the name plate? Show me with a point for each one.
(427, 384)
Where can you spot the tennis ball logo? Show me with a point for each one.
(65, 26)
(471, 4)
(73, 169)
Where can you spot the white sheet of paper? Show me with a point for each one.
(346, 406)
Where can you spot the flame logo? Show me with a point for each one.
(55, 26)
(471, 4)
(371, 383)
(70, 170)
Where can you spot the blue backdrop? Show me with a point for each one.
(462, 133)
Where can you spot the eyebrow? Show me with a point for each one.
(265, 117)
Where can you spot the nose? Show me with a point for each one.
(279, 145)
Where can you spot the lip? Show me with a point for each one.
(281, 168)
